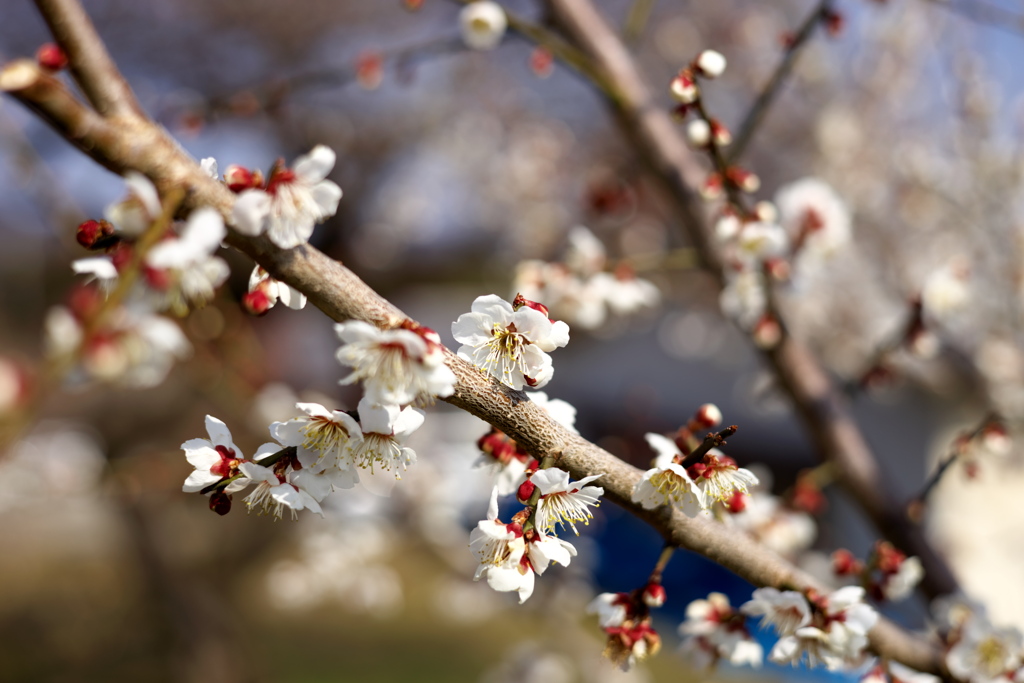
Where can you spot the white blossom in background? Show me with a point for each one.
(744, 298)
(946, 291)
(758, 242)
(765, 518)
(133, 215)
(273, 291)
(499, 548)
(482, 24)
(667, 483)
(585, 254)
(194, 272)
(900, 584)
(894, 672)
(787, 611)
(836, 638)
(214, 459)
(399, 366)
(612, 609)
(714, 630)
(509, 344)
(380, 443)
(985, 654)
(293, 202)
(814, 216)
(564, 502)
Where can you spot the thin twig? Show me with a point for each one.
(757, 111)
(916, 506)
(636, 21)
(712, 440)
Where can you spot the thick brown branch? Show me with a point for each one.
(90, 64)
(823, 409)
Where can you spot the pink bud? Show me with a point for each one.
(542, 62)
(654, 595)
(520, 301)
(744, 179)
(737, 503)
(684, 88)
(51, 57)
(767, 332)
(708, 415)
(238, 178)
(720, 133)
(370, 70)
(256, 302)
(712, 187)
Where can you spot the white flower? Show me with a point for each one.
(985, 654)
(99, 268)
(395, 366)
(482, 24)
(904, 674)
(510, 345)
(713, 630)
(710, 63)
(562, 502)
(901, 584)
(542, 550)
(321, 433)
(758, 241)
(199, 238)
(275, 290)
(500, 548)
(814, 216)
(293, 202)
(611, 609)
(214, 459)
(384, 431)
(946, 291)
(838, 636)
(133, 215)
(787, 611)
(667, 483)
(764, 517)
(744, 298)
(719, 477)
(562, 412)
(586, 253)
(277, 487)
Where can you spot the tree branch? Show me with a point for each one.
(825, 412)
(133, 142)
(89, 61)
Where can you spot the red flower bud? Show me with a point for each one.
(256, 302)
(526, 490)
(654, 595)
(51, 57)
(220, 503)
(95, 234)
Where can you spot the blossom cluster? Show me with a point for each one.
(581, 288)
(977, 651)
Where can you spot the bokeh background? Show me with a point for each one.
(456, 166)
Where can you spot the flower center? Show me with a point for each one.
(324, 436)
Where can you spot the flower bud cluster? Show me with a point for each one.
(887, 575)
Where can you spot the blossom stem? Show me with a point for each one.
(659, 566)
(712, 440)
(756, 113)
(915, 508)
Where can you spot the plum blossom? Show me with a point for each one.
(667, 483)
(611, 608)
(894, 672)
(985, 654)
(384, 429)
(835, 637)
(321, 436)
(815, 218)
(397, 366)
(510, 343)
(946, 291)
(501, 548)
(744, 298)
(292, 201)
(279, 486)
(543, 550)
(787, 611)
(710, 64)
(631, 642)
(714, 630)
(214, 459)
(483, 24)
(133, 215)
(719, 478)
(191, 272)
(562, 502)
(767, 519)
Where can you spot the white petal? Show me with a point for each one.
(250, 211)
(140, 186)
(314, 167)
